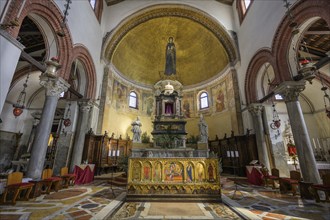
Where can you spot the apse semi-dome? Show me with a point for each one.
(137, 48)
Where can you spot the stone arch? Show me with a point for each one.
(53, 15)
(302, 11)
(81, 52)
(260, 58)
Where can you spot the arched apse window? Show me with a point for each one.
(97, 6)
(133, 100)
(242, 8)
(203, 100)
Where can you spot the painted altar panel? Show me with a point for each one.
(173, 176)
(173, 171)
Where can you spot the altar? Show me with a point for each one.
(169, 170)
(174, 178)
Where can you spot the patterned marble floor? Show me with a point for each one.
(97, 201)
(267, 203)
(174, 210)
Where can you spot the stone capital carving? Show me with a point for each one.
(54, 86)
(290, 90)
(256, 109)
(85, 106)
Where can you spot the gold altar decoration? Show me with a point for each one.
(171, 176)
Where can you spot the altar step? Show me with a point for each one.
(171, 198)
(118, 181)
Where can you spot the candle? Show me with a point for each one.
(314, 143)
(117, 153)
(318, 142)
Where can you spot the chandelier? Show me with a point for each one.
(61, 32)
(67, 120)
(20, 103)
(276, 119)
(276, 124)
(307, 68)
(326, 98)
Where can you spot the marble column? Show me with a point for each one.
(256, 111)
(54, 87)
(82, 129)
(290, 91)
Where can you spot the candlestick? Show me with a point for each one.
(314, 143)
(318, 143)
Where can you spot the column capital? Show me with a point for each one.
(85, 105)
(54, 86)
(256, 109)
(290, 90)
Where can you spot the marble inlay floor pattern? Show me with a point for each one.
(270, 204)
(96, 201)
(174, 210)
(78, 202)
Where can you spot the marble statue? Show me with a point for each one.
(203, 130)
(136, 129)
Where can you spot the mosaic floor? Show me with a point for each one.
(97, 201)
(268, 204)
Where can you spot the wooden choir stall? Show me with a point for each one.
(104, 151)
(236, 152)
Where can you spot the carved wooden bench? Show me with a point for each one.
(15, 187)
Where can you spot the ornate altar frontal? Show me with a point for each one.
(172, 178)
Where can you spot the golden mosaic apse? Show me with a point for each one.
(140, 53)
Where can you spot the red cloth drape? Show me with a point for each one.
(83, 176)
(254, 175)
(292, 150)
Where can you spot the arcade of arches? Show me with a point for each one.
(92, 67)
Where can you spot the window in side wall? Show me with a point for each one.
(203, 100)
(242, 8)
(133, 100)
(97, 6)
(93, 3)
(247, 4)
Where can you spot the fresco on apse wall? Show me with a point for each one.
(219, 93)
(148, 103)
(188, 105)
(230, 91)
(109, 92)
(119, 95)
